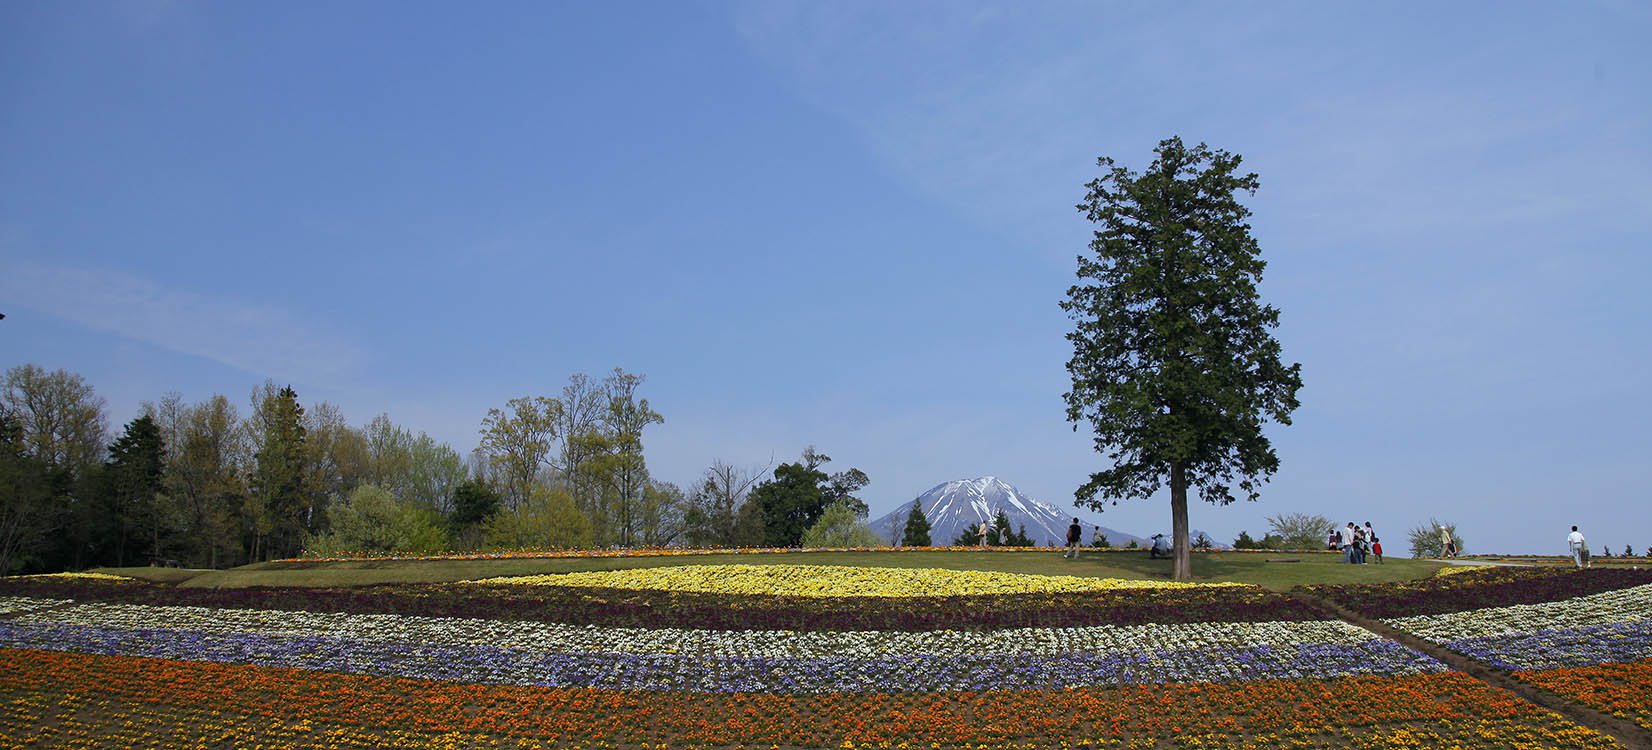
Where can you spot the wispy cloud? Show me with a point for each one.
(1001, 114)
(261, 339)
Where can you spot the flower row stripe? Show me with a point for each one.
(673, 609)
(1622, 690)
(1632, 604)
(1432, 710)
(853, 673)
(552, 637)
(836, 581)
(13, 605)
(1479, 590)
(1557, 648)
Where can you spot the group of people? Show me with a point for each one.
(1075, 538)
(1356, 543)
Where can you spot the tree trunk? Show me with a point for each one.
(1182, 568)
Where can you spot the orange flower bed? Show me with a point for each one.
(1622, 690)
(45, 691)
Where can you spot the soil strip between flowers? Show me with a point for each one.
(1626, 732)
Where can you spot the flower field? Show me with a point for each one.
(811, 657)
(1582, 634)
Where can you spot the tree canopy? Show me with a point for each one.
(1174, 367)
(916, 533)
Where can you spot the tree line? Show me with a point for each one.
(207, 484)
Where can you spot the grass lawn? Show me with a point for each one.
(1278, 571)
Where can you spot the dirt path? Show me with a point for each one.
(1627, 732)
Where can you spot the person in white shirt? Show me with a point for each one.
(1579, 547)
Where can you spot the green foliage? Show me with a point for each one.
(1203, 542)
(548, 520)
(414, 468)
(135, 474)
(1300, 531)
(1132, 545)
(839, 526)
(373, 520)
(659, 518)
(279, 491)
(204, 477)
(916, 533)
(28, 502)
(517, 442)
(1174, 367)
(474, 502)
(1426, 540)
(1244, 541)
(794, 500)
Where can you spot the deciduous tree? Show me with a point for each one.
(1300, 530)
(517, 442)
(839, 526)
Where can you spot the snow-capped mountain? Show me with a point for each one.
(954, 506)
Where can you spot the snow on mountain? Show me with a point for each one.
(954, 506)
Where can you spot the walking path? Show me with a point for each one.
(1626, 732)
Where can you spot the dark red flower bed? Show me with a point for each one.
(1478, 589)
(659, 609)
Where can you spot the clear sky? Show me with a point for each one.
(849, 225)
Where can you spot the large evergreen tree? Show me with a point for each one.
(135, 475)
(917, 527)
(1174, 366)
(279, 487)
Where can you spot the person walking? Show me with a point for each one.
(1448, 544)
(1345, 540)
(1075, 535)
(981, 534)
(1359, 545)
(1579, 547)
(1376, 544)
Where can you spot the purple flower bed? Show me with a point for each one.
(660, 609)
(620, 671)
(1499, 587)
(1555, 648)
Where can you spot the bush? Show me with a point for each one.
(547, 520)
(1426, 542)
(1299, 530)
(839, 526)
(372, 520)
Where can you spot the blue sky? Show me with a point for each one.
(849, 225)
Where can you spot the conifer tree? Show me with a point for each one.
(917, 527)
(1174, 366)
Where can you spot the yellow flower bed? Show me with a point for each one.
(834, 581)
(82, 576)
(1452, 570)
